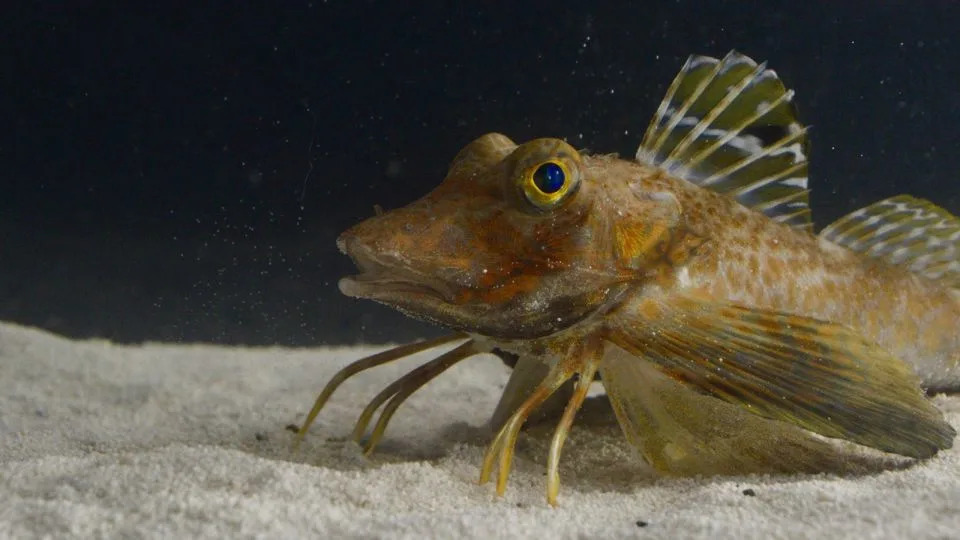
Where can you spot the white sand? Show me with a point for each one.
(164, 440)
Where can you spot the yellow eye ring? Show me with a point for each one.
(547, 183)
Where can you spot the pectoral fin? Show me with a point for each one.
(683, 432)
(817, 375)
(528, 372)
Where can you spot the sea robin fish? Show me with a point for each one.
(688, 281)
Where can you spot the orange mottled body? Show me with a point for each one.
(752, 260)
(689, 279)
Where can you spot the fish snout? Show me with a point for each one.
(360, 243)
(388, 239)
(350, 239)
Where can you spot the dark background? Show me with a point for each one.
(181, 173)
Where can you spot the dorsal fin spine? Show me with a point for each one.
(774, 202)
(788, 217)
(717, 110)
(786, 173)
(664, 105)
(769, 151)
(730, 126)
(699, 156)
(679, 114)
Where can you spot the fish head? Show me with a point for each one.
(515, 243)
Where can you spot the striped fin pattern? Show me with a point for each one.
(730, 126)
(905, 231)
(818, 375)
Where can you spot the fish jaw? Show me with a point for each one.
(388, 281)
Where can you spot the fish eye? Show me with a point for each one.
(549, 177)
(547, 183)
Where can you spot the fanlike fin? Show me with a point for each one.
(905, 231)
(817, 375)
(682, 432)
(730, 126)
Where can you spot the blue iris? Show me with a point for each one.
(549, 177)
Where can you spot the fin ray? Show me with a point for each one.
(817, 375)
(697, 71)
(678, 151)
(904, 231)
(729, 125)
(682, 432)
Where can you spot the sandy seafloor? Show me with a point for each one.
(100, 440)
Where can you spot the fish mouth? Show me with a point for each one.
(389, 281)
(388, 288)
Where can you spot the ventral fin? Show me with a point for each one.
(817, 375)
(905, 231)
(730, 126)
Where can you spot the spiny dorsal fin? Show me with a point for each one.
(905, 231)
(729, 125)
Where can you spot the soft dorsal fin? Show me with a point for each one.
(730, 126)
(906, 231)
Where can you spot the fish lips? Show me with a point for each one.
(387, 279)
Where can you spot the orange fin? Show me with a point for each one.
(905, 231)
(817, 375)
